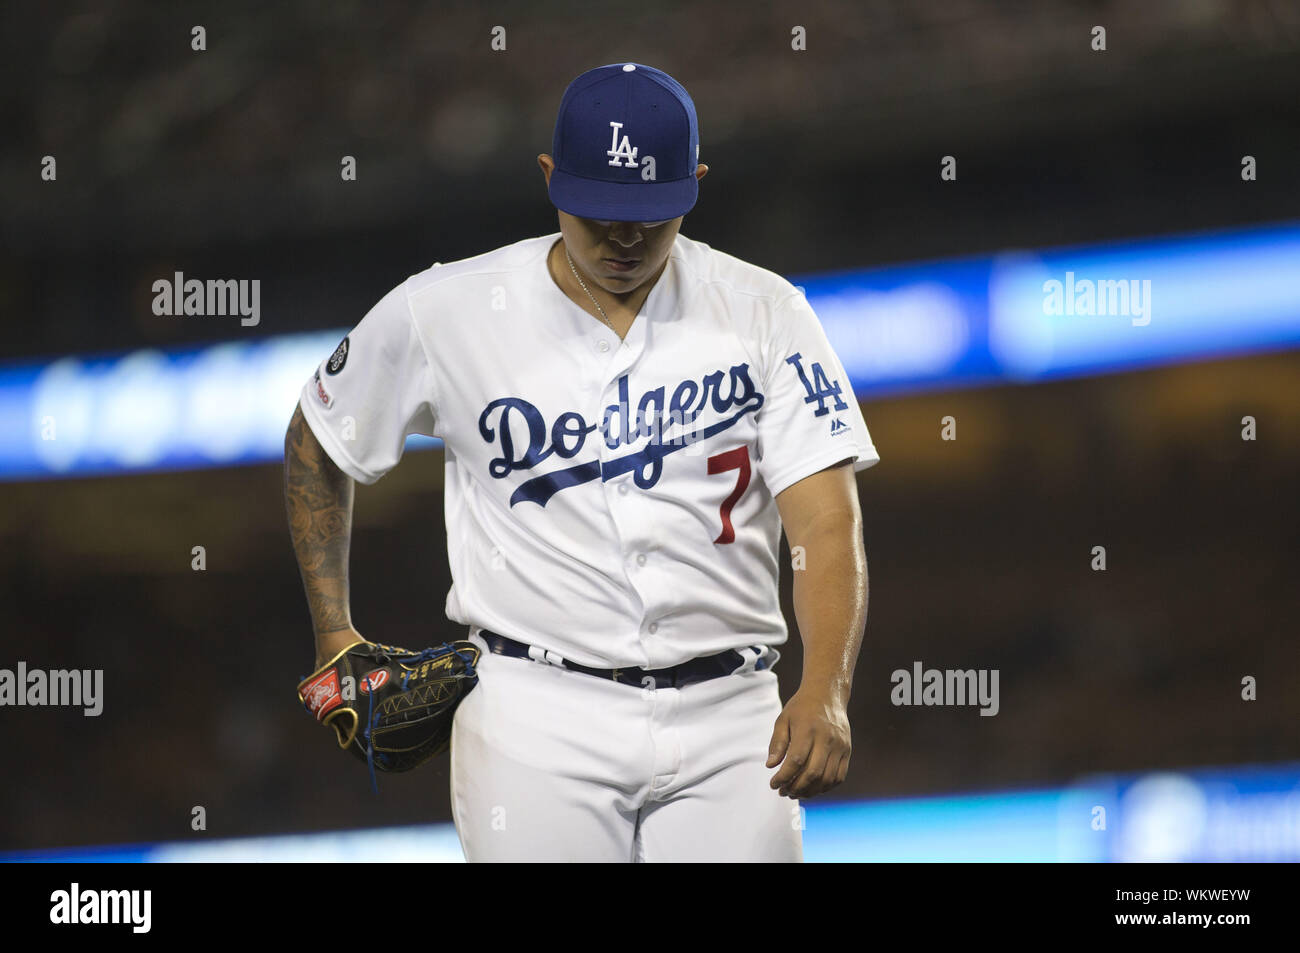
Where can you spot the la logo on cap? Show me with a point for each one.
(620, 150)
(618, 127)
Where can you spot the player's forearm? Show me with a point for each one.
(318, 500)
(830, 604)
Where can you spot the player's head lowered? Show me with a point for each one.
(623, 170)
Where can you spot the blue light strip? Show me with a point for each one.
(1239, 813)
(1208, 296)
(147, 410)
(1016, 316)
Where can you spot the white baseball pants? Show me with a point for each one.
(553, 765)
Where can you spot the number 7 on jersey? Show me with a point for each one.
(737, 459)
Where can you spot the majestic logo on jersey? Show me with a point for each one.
(838, 427)
(670, 423)
(819, 389)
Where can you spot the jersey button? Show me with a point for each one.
(622, 488)
(653, 627)
(640, 559)
(603, 346)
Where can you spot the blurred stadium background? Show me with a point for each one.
(1120, 689)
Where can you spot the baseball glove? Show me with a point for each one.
(391, 707)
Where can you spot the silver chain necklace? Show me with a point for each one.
(583, 285)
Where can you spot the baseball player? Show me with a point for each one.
(630, 419)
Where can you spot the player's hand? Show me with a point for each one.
(330, 644)
(811, 742)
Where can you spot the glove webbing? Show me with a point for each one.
(424, 656)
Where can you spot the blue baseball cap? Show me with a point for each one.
(626, 146)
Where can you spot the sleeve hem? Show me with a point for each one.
(332, 446)
(862, 456)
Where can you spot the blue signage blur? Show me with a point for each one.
(1016, 316)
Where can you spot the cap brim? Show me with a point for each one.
(623, 201)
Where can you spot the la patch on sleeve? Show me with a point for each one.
(820, 388)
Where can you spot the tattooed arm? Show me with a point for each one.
(318, 498)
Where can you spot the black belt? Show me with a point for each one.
(677, 676)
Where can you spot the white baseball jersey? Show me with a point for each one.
(610, 501)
